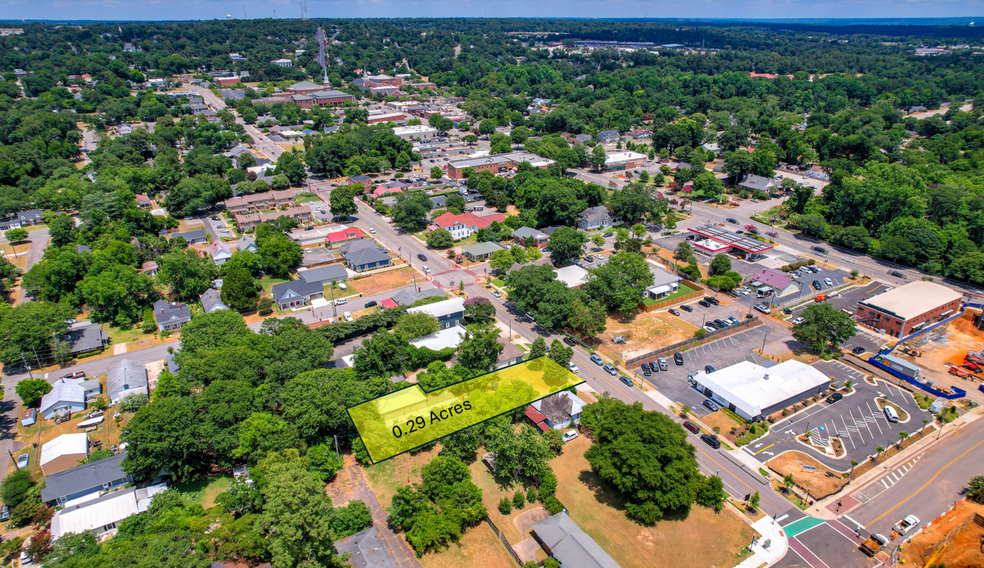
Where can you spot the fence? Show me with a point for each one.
(666, 302)
(505, 542)
(714, 334)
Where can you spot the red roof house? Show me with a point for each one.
(344, 235)
(462, 226)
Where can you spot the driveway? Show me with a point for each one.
(39, 241)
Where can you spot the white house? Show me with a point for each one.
(219, 252)
(65, 396)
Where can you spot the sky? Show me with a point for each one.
(114, 10)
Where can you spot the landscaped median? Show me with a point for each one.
(409, 418)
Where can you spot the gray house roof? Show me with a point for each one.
(352, 246)
(608, 135)
(407, 296)
(171, 312)
(83, 477)
(756, 182)
(212, 300)
(85, 338)
(246, 243)
(661, 276)
(571, 545)
(524, 232)
(594, 214)
(324, 274)
(366, 256)
(298, 287)
(125, 378)
(191, 235)
(367, 550)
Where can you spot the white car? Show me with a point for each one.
(798, 321)
(828, 282)
(348, 316)
(569, 435)
(574, 368)
(371, 230)
(341, 302)
(496, 294)
(426, 269)
(22, 461)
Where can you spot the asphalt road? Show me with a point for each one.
(39, 241)
(262, 143)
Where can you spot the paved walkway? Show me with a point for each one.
(350, 486)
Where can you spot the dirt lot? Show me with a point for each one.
(644, 332)
(381, 282)
(964, 548)
(722, 421)
(386, 477)
(492, 493)
(596, 509)
(819, 482)
(963, 337)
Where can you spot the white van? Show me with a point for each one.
(890, 414)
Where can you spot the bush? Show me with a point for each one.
(132, 402)
(553, 505)
(519, 500)
(505, 507)
(98, 404)
(548, 484)
(15, 487)
(531, 495)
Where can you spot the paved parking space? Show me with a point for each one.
(856, 420)
(700, 315)
(849, 298)
(719, 353)
(320, 211)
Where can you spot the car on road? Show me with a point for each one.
(896, 274)
(371, 230)
(348, 316)
(678, 358)
(828, 282)
(797, 321)
(75, 375)
(371, 303)
(710, 405)
(708, 369)
(569, 340)
(422, 257)
(686, 308)
(341, 302)
(22, 461)
(596, 359)
(711, 441)
(763, 308)
(691, 426)
(858, 350)
(496, 294)
(674, 312)
(609, 234)
(627, 381)
(427, 269)
(569, 435)
(573, 368)
(610, 370)
(530, 316)
(645, 370)
(820, 250)
(731, 220)
(906, 524)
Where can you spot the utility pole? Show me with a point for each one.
(764, 340)
(13, 460)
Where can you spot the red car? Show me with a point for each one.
(75, 375)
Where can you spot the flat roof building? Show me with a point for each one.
(908, 308)
(418, 131)
(754, 392)
(623, 160)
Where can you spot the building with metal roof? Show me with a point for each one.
(85, 482)
(731, 239)
(448, 313)
(754, 392)
(908, 308)
(127, 377)
(561, 538)
(64, 452)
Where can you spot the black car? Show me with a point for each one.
(569, 341)
(654, 366)
(820, 250)
(371, 303)
(645, 366)
(858, 350)
(711, 300)
(678, 358)
(708, 369)
(627, 381)
(422, 257)
(896, 274)
(834, 397)
(645, 370)
(686, 308)
(817, 285)
(704, 303)
(674, 312)
(732, 220)
(609, 234)
(711, 441)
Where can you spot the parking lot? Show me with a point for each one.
(856, 420)
(849, 298)
(718, 353)
(700, 315)
(320, 211)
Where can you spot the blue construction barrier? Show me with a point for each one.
(958, 392)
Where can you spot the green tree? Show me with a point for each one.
(239, 289)
(15, 235)
(15, 487)
(635, 203)
(755, 500)
(560, 353)
(487, 127)
(813, 225)
(976, 489)
(262, 434)
(455, 203)
(597, 157)
(598, 240)
(31, 391)
(588, 319)
(480, 348)
(479, 309)
(280, 255)
(62, 230)
(721, 264)
(645, 455)
(410, 211)
(186, 273)
(566, 245)
(501, 261)
(381, 355)
(27, 330)
(342, 201)
(413, 325)
(440, 239)
(683, 251)
(824, 328)
(292, 167)
(436, 172)
(538, 348)
(166, 434)
(620, 282)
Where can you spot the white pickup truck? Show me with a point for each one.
(906, 524)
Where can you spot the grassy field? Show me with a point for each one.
(204, 490)
(478, 548)
(306, 197)
(672, 542)
(492, 493)
(267, 283)
(381, 282)
(386, 477)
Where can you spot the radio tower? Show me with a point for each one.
(304, 11)
(321, 39)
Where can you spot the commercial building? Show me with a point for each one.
(754, 392)
(908, 308)
(386, 117)
(497, 163)
(323, 97)
(259, 201)
(416, 132)
(481, 251)
(745, 246)
(624, 160)
(774, 282)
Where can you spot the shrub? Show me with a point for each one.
(553, 505)
(132, 402)
(519, 500)
(505, 507)
(548, 484)
(531, 495)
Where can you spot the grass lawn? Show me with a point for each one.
(674, 541)
(478, 548)
(120, 335)
(682, 290)
(306, 197)
(267, 283)
(386, 477)
(499, 282)
(492, 493)
(204, 490)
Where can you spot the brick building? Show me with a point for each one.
(260, 201)
(908, 308)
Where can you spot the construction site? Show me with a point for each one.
(954, 540)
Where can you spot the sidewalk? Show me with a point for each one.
(768, 548)
(821, 509)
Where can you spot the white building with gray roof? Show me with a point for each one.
(125, 378)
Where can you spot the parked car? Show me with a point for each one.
(496, 294)
(708, 369)
(609, 234)
(569, 435)
(711, 441)
(662, 364)
(341, 302)
(712, 300)
(799, 320)
(371, 303)
(596, 359)
(820, 250)
(23, 460)
(348, 316)
(710, 405)
(674, 312)
(834, 397)
(678, 358)
(704, 303)
(4, 514)
(627, 381)
(686, 308)
(890, 414)
(645, 371)
(733, 320)
(710, 328)
(589, 258)
(422, 257)
(828, 282)
(574, 368)
(691, 426)
(75, 375)
(610, 370)
(817, 285)
(858, 350)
